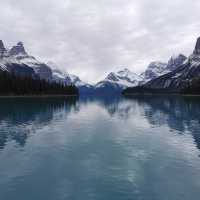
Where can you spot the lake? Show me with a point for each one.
(140, 148)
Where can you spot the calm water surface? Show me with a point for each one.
(144, 148)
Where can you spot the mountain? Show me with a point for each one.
(3, 54)
(17, 61)
(175, 62)
(69, 79)
(177, 80)
(156, 69)
(12, 65)
(182, 75)
(3, 50)
(18, 50)
(116, 82)
(175, 74)
(153, 70)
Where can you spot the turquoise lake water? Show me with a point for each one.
(143, 148)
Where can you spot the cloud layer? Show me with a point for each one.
(93, 37)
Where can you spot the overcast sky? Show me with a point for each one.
(93, 37)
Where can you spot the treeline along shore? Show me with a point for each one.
(12, 85)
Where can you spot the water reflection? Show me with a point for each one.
(20, 117)
(178, 113)
(100, 148)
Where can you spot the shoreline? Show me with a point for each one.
(36, 96)
(65, 96)
(179, 95)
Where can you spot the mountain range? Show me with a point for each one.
(181, 78)
(174, 74)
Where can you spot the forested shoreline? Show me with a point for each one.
(11, 85)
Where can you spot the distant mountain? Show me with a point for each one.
(181, 76)
(156, 69)
(69, 79)
(174, 75)
(175, 61)
(113, 83)
(116, 82)
(177, 80)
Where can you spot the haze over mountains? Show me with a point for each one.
(173, 74)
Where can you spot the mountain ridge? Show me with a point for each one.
(16, 60)
(177, 80)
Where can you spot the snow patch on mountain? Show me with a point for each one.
(154, 70)
(157, 69)
(3, 67)
(124, 78)
(181, 77)
(17, 60)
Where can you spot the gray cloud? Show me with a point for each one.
(93, 37)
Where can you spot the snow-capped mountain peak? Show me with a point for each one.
(124, 75)
(17, 60)
(112, 77)
(115, 82)
(156, 69)
(127, 74)
(157, 66)
(182, 75)
(69, 79)
(18, 50)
